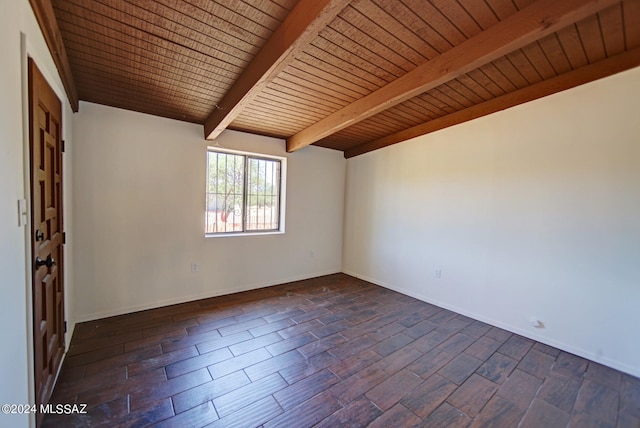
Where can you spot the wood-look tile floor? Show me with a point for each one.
(332, 351)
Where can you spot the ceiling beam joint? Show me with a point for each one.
(607, 67)
(300, 27)
(526, 26)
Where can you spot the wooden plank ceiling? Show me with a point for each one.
(351, 75)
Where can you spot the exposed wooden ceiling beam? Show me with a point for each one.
(298, 29)
(43, 10)
(580, 76)
(535, 21)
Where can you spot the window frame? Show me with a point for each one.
(281, 192)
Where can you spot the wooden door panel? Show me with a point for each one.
(45, 133)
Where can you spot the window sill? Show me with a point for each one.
(230, 234)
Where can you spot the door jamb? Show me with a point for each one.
(24, 69)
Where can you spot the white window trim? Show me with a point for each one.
(283, 194)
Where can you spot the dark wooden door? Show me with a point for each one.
(45, 138)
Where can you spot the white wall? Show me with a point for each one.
(20, 36)
(530, 212)
(139, 201)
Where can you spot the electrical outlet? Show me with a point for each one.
(437, 273)
(536, 323)
(194, 267)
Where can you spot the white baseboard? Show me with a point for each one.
(633, 371)
(184, 299)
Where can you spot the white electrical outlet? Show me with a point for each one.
(194, 267)
(536, 323)
(437, 273)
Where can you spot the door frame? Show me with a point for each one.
(41, 56)
(47, 217)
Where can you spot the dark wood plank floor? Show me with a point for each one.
(332, 351)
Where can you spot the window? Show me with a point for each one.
(244, 193)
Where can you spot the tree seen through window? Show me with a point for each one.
(243, 193)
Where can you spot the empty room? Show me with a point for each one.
(296, 213)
